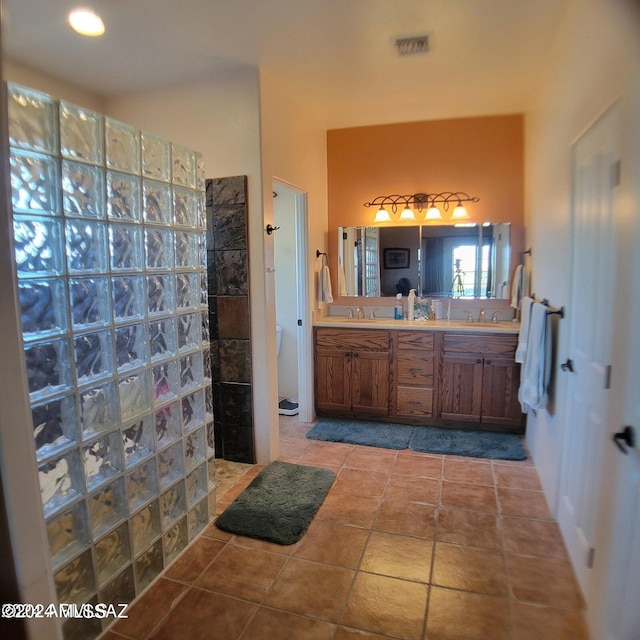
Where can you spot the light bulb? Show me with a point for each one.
(86, 22)
(407, 215)
(382, 215)
(433, 214)
(459, 213)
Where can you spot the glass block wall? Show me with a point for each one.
(109, 233)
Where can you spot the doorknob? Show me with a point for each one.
(626, 436)
(568, 365)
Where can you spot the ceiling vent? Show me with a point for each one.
(412, 45)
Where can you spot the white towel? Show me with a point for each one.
(523, 338)
(342, 281)
(536, 370)
(325, 284)
(520, 286)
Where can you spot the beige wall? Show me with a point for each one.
(594, 61)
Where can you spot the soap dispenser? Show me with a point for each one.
(411, 305)
(397, 308)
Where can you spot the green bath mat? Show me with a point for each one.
(279, 504)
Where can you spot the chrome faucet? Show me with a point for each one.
(360, 312)
(350, 313)
(469, 317)
(494, 317)
(372, 314)
(482, 316)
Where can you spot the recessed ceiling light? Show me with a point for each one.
(86, 22)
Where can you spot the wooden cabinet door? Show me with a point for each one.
(500, 382)
(461, 388)
(333, 379)
(370, 382)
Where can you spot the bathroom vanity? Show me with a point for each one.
(443, 373)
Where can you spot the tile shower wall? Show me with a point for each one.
(228, 268)
(109, 235)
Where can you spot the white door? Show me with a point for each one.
(594, 158)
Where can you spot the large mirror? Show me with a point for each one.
(455, 261)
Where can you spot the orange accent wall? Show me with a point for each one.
(482, 156)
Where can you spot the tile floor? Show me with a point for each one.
(405, 545)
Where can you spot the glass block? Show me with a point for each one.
(162, 338)
(60, 481)
(190, 371)
(196, 485)
(202, 211)
(156, 157)
(172, 505)
(68, 534)
(174, 541)
(211, 440)
(131, 346)
(189, 333)
(165, 382)
(211, 499)
(98, 408)
(149, 565)
(138, 441)
(134, 395)
(170, 465)
(55, 425)
(204, 291)
(43, 307)
(121, 590)
(93, 355)
(206, 364)
(38, 246)
(195, 449)
(192, 410)
(34, 183)
(128, 298)
(185, 207)
(186, 291)
(208, 402)
(48, 367)
(145, 526)
(204, 323)
(82, 628)
(81, 133)
(107, 508)
(123, 197)
(122, 146)
(186, 244)
(156, 202)
(90, 302)
(183, 162)
(160, 290)
(86, 246)
(112, 553)
(211, 473)
(197, 518)
(168, 424)
(125, 244)
(32, 119)
(200, 173)
(75, 582)
(142, 484)
(102, 460)
(159, 248)
(82, 190)
(202, 251)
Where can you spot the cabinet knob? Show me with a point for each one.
(487, 361)
(356, 354)
(479, 361)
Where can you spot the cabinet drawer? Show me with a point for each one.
(414, 401)
(415, 368)
(495, 345)
(366, 339)
(416, 340)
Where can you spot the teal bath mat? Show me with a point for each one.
(368, 433)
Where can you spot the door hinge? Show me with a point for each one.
(590, 555)
(615, 174)
(607, 377)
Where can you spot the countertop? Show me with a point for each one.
(457, 326)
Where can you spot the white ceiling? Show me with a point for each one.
(485, 58)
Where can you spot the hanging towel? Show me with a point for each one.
(325, 284)
(523, 338)
(520, 286)
(536, 370)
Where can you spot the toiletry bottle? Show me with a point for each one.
(411, 305)
(437, 309)
(397, 308)
(449, 310)
(432, 310)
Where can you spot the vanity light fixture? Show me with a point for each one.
(421, 201)
(86, 22)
